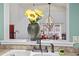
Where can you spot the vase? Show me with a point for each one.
(33, 30)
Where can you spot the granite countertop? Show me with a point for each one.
(70, 54)
(2, 51)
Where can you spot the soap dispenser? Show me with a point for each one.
(61, 52)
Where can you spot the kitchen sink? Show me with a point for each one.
(28, 53)
(44, 54)
(17, 53)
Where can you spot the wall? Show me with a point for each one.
(1, 21)
(73, 20)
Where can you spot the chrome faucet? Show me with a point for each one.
(39, 42)
(52, 47)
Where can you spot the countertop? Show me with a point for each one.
(2, 51)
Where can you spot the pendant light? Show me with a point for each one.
(50, 18)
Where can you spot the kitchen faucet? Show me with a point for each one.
(39, 43)
(40, 46)
(52, 47)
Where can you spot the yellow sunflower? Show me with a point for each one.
(27, 12)
(38, 12)
(31, 15)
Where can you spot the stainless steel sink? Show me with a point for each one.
(28, 53)
(17, 53)
(44, 54)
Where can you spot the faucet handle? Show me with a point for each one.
(34, 48)
(46, 48)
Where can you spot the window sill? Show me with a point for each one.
(44, 42)
(59, 42)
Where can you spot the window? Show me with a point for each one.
(18, 22)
